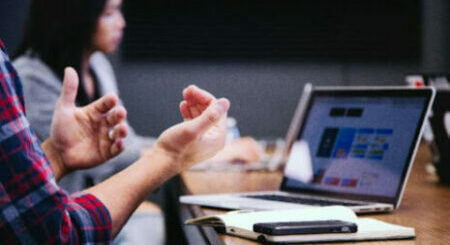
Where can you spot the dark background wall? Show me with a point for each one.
(263, 90)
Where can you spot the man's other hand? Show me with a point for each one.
(84, 137)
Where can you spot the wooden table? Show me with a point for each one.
(425, 205)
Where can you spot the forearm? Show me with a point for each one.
(123, 192)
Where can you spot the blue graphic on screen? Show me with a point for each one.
(327, 142)
(344, 142)
(359, 145)
(354, 142)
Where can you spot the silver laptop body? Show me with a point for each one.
(351, 146)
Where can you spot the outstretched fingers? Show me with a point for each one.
(212, 115)
(196, 101)
(184, 109)
(118, 132)
(102, 105)
(191, 111)
(117, 147)
(116, 116)
(112, 143)
(194, 95)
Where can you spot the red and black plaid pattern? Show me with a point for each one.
(33, 209)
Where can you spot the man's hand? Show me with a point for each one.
(202, 134)
(244, 150)
(195, 102)
(83, 137)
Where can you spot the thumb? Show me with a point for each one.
(70, 87)
(210, 116)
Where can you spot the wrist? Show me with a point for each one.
(55, 159)
(171, 160)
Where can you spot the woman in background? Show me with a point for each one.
(78, 33)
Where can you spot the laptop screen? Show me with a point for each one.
(359, 144)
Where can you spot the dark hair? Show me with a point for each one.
(60, 32)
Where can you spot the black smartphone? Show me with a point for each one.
(305, 227)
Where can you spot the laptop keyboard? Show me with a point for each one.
(301, 200)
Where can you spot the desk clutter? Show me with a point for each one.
(241, 224)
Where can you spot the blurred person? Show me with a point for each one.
(35, 210)
(78, 33)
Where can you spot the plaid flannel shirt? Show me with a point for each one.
(33, 209)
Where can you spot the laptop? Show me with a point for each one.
(351, 146)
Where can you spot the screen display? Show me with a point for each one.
(356, 145)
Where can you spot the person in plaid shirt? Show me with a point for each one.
(35, 210)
